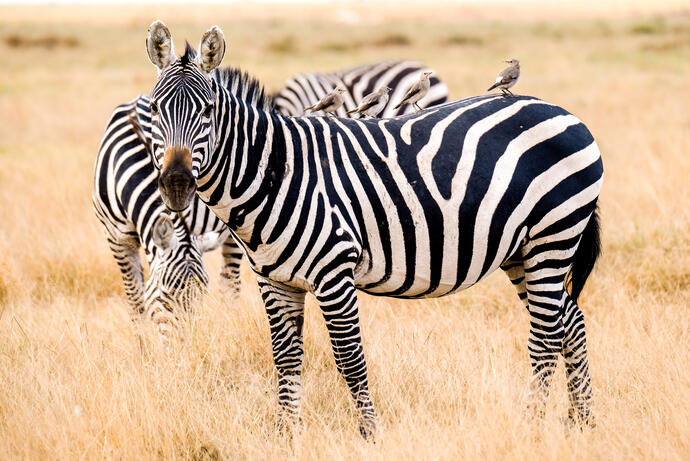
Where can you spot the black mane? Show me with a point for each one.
(189, 55)
(239, 83)
(245, 87)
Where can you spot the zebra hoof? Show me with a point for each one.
(578, 418)
(367, 431)
(288, 426)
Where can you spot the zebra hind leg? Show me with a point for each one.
(515, 270)
(545, 298)
(285, 310)
(577, 364)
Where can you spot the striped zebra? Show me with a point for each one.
(303, 90)
(421, 205)
(130, 213)
(128, 204)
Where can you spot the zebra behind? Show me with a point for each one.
(128, 204)
(303, 90)
(421, 205)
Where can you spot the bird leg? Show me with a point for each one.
(417, 106)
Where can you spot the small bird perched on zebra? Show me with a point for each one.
(508, 77)
(302, 90)
(329, 103)
(372, 104)
(418, 91)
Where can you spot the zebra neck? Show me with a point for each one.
(245, 169)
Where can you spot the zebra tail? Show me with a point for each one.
(586, 255)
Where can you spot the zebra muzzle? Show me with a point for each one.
(176, 182)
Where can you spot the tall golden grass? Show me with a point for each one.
(449, 376)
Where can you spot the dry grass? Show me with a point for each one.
(449, 376)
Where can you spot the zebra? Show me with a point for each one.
(421, 205)
(416, 206)
(303, 90)
(127, 202)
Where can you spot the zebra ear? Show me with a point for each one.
(211, 49)
(163, 233)
(159, 45)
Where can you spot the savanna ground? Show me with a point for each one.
(449, 376)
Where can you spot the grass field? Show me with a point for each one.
(449, 376)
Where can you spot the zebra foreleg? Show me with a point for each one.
(577, 364)
(285, 310)
(337, 299)
(230, 272)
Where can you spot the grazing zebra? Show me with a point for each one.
(303, 90)
(416, 206)
(128, 204)
(129, 212)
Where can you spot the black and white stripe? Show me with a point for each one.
(421, 205)
(303, 90)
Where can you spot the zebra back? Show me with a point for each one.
(306, 89)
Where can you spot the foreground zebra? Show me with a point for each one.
(128, 204)
(416, 206)
(303, 90)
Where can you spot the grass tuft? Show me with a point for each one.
(653, 27)
(45, 41)
(283, 45)
(461, 40)
(395, 39)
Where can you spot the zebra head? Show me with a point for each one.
(177, 277)
(182, 110)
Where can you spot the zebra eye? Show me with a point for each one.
(208, 110)
(154, 108)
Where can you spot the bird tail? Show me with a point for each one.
(351, 111)
(493, 86)
(401, 103)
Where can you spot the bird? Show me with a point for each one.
(417, 92)
(508, 77)
(373, 103)
(329, 103)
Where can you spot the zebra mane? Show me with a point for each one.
(245, 87)
(189, 54)
(239, 83)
